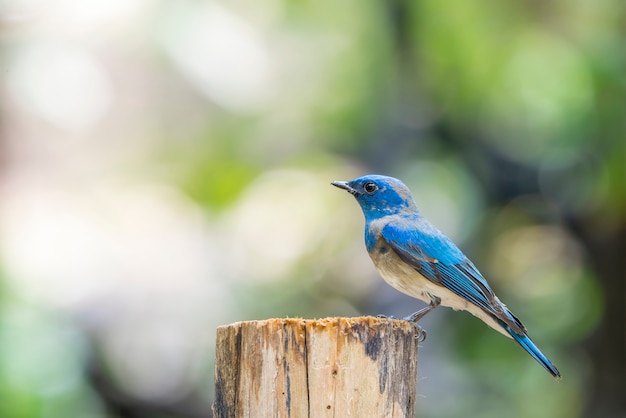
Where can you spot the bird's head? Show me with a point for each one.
(379, 195)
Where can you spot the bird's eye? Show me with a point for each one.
(370, 188)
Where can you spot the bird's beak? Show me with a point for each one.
(344, 185)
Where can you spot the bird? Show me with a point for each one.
(417, 259)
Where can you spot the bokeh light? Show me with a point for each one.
(165, 169)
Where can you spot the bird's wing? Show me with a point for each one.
(438, 259)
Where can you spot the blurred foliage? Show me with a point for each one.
(165, 170)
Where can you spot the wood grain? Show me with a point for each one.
(333, 367)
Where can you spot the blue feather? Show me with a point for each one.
(530, 347)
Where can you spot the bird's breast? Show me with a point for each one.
(400, 275)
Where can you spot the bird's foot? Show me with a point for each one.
(385, 316)
(414, 317)
(421, 333)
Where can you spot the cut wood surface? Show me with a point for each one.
(333, 367)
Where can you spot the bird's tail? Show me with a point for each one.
(528, 345)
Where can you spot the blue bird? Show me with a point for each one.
(417, 259)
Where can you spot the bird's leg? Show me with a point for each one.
(414, 317)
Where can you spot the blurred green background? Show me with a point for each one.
(165, 169)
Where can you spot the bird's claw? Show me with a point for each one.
(421, 333)
(385, 316)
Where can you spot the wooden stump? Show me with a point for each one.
(334, 367)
